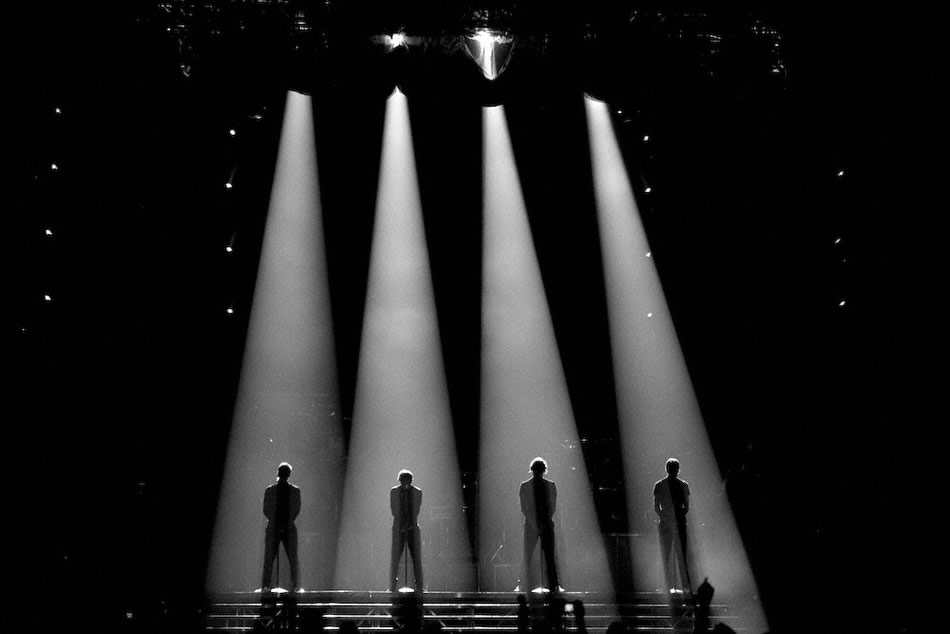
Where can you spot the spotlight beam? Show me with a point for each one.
(287, 393)
(526, 410)
(401, 413)
(660, 416)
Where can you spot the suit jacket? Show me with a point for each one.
(671, 499)
(405, 505)
(281, 504)
(538, 501)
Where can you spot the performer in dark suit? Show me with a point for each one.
(405, 501)
(281, 507)
(671, 503)
(538, 504)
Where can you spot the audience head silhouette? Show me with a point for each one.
(538, 466)
(616, 627)
(349, 627)
(283, 471)
(405, 477)
(673, 467)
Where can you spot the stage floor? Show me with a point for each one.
(451, 611)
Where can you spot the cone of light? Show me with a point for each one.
(659, 414)
(287, 396)
(526, 411)
(401, 412)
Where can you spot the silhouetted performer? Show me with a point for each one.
(281, 506)
(671, 503)
(538, 504)
(405, 501)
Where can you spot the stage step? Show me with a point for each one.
(456, 612)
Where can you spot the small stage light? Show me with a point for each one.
(54, 166)
(49, 233)
(840, 173)
(484, 38)
(47, 298)
(649, 254)
(397, 39)
(57, 111)
(232, 132)
(647, 190)
(491, 51)
(230, 311)
(837, 240)
(646, 138)
(228, 185)
(229, 249)
(841, 303)
(649, 315)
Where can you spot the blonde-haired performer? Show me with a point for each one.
(405, 501)
(538, 504)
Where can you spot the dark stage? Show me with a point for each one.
(366, 236)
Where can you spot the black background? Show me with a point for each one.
(122, 386)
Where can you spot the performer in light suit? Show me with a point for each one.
(671, 503)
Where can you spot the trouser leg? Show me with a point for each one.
(270, 552)
(415, 551)
(547, 548)
(682, 558)
(399, 542)
(530, 541)
(668, 554)
(290, 547)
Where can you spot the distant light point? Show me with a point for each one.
(232, 132)
(228, 185)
